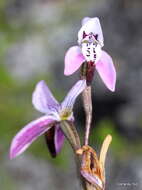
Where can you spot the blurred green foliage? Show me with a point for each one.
(6, 182)
(119, 145)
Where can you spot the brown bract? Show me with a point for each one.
(92, 167)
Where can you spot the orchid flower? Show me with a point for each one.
(92, 167)
(89, 49)
(54, 113)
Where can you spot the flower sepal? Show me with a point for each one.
(71, 134)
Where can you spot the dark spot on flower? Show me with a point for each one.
(84, 34)
(96, 36)
(49, 138)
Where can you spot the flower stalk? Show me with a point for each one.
(72, 136)
(87, 73)
(87, 103)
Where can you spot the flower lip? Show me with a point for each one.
(91, 25)
(91, 49)
(54, 138)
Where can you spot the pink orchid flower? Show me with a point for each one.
(90, 41)
(44, 102)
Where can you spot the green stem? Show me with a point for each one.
(72, 136)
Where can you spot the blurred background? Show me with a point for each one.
(34, 36)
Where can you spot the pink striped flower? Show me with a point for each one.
(89, 49)
(54, 113)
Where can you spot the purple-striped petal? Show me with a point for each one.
(58, 139)
(91, 25)
(73, 60)
(29, 134)
(42, 99)
(107, 71)
(69, 100)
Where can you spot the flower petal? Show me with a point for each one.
(42, 98)
(91, 25)
(73, 60)
(28, 134)
(54, 140)
(107, 71)
(59, 139)
(72, 95)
